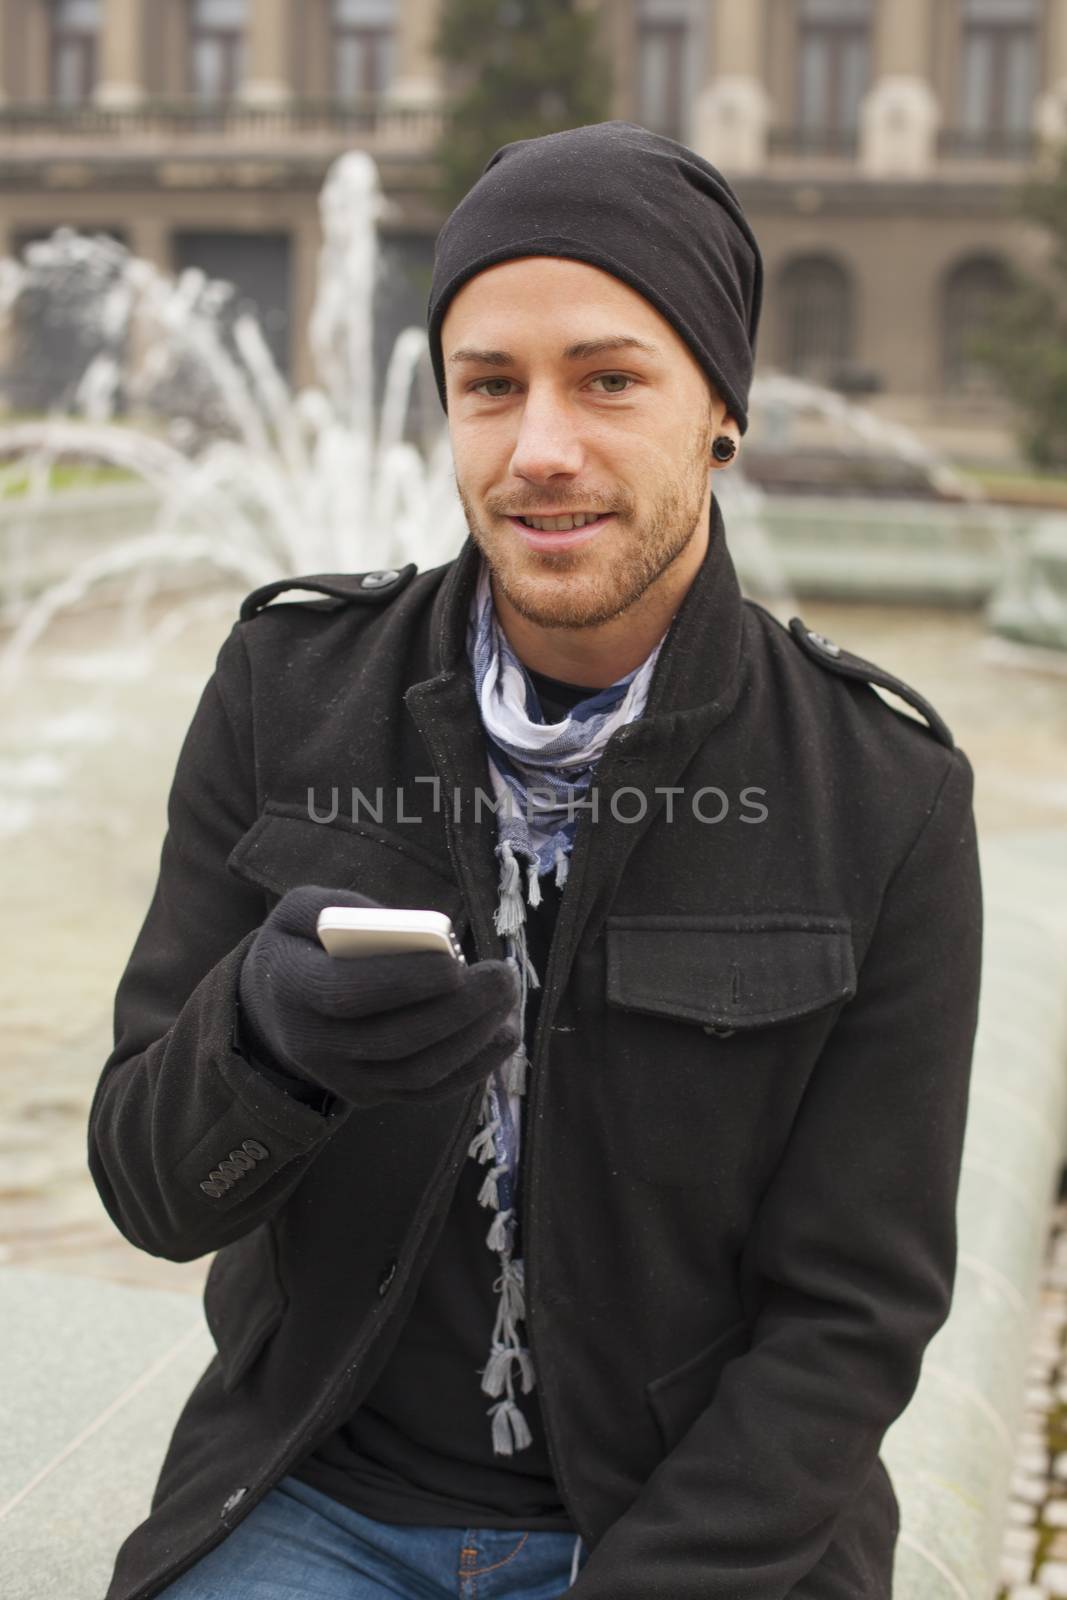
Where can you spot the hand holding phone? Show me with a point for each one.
(350, 931)
(408, 1024)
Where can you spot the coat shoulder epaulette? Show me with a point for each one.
(836, 659)
(364, 588)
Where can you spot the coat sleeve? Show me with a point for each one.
(851, 1258)
(189, 1145)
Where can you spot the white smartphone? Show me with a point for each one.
(349, 931)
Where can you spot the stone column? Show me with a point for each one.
(618, 33)
(901, 114)
(1056, 41)
(170, 36)
(31, 35)
(902, 36)
(316, 34)
(120, 80)
(1051, 112)
(306, 245)
(268, 80)
(417, 78)
(150, 238)
(733, 113)
(5, 57)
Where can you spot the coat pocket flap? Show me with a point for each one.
(285, 848)
(729, 972)
(679, 1396)
(244, 1301)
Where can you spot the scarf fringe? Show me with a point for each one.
(482, 1145)
(509, 915)
(500, 1229)
(487, 1194)
(515, 1072)
(533, 886)
(497, 682)
(499, 1367)
(510, 1429)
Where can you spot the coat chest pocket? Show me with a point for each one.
(285, 848)
(711, 1026)
(244, 1301)
(678, 1397)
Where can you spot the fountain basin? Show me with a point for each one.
(1030, 603)
(891, 550)
(43, 539)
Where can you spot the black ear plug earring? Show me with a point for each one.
(724, 448)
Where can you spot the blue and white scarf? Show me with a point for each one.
(557, 760)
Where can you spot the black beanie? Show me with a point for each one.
(637, 204)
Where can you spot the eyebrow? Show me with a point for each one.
(581, 351)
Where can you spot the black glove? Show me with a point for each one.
(418, 1025)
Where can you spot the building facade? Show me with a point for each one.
(878, 146)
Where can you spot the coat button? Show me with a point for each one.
(821, 642)
(235, 1499)
(378, 580)
(387, 1277)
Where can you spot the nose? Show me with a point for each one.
(548, 441)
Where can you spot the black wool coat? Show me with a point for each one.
(745, 1111)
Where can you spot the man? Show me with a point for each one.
(715, 1126)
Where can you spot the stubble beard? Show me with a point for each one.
(602, 586)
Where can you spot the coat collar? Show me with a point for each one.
(698, 663)
(695, 683)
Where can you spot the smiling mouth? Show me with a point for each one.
(554, 541)
(576, 519)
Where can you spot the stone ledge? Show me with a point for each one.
(951, 1454)
(92, 1382)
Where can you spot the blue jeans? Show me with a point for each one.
(299, 1544)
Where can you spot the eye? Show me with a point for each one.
(600, 378)
(481, 385)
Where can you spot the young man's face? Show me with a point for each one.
(622, 431)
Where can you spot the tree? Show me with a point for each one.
(1025, 341)
(521, 68)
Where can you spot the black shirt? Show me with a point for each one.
(419, 1449)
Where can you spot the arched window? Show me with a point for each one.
(972, 289)
(818, 317)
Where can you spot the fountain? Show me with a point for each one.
(248, 479)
